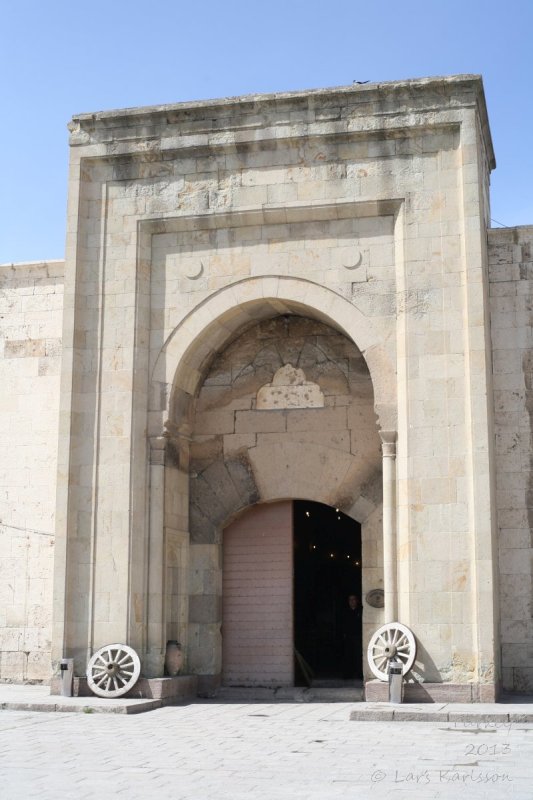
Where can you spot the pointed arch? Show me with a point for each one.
(180, 365)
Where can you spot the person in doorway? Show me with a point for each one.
(352, 634)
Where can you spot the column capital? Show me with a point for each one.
(171, 447)
(157, 449)
(388, 440)
(177, 432)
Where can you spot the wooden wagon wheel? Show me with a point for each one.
(392, 640)
(113, 670)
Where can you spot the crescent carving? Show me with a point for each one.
(195, 272)
(357, 262)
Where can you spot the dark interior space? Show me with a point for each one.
(327, 569)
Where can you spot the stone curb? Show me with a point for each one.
(89, 708)
(407, 715)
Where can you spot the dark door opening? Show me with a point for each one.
(327, 570)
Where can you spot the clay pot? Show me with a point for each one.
(173, 658)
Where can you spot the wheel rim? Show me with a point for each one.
(393, 640)
(113, 670)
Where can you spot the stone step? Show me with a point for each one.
(289, 694)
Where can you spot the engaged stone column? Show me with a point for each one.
(155, 635)
(388, 439)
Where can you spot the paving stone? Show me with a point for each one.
(286, 751)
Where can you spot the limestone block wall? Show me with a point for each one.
(511, 306)
(31, 300)
(228, 422)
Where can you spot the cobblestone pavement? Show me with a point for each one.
(261, 751)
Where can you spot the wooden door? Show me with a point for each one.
(257, 592)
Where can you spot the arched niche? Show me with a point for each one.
(224, 455)
(184, 358)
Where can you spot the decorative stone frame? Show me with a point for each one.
(184, 356)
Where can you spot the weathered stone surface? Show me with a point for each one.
(511, 290)
(289, 389)
(31, 298)
(205, 609)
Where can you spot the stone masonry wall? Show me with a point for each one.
(31, 301)
(231, 425)
(511, 302)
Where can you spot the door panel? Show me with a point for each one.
(257, 616)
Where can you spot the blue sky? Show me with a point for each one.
(60, 58)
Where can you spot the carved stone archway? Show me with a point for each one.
(181, 362)
(215, 482)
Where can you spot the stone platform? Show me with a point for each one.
(511, 710)
(38, 698)
(378, 692)
(154, 692)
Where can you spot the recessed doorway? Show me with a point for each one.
(327, 571)
(288, 571)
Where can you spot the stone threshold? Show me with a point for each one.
(288, 694)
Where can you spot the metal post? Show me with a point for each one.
(395, 681)
(67, 676)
